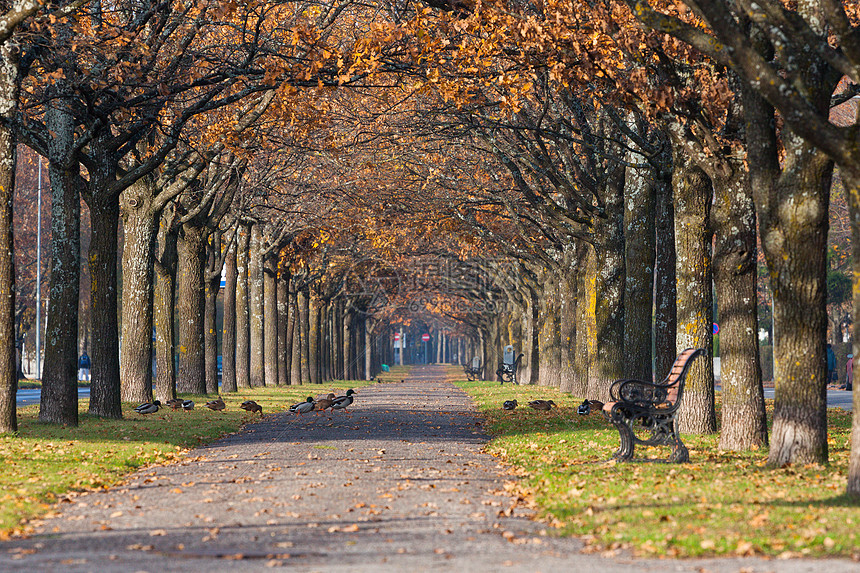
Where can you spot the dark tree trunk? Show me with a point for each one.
(665, 318)
(304, 328)
(550, 351)
(255, 307)
(163, 308)
(270, 320)
(190, 303)
(105, 389)
(294, 334)
(695, 304)
(243, 333)
(639, 238)
(314, 340)
(59, 401)
(8, 365)
(284, 341)
(228, 338)
(212, 282)
(140, 227)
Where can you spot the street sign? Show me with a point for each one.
(716, 328)
(396, 336)
(425, 337)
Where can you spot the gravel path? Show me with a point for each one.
(397, 484)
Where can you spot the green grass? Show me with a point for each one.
(722, 503)
(43, 462)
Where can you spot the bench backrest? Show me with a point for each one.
(679, 372)
(509, 356)
(476, 362)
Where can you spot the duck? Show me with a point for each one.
(303, 407)
(187, 405)
(509, 404)
(542, 404)
(343, 402)
(251, 406)
(217, 405)
(589, 406)
(174, 403)
(322, 403)
(148, 408)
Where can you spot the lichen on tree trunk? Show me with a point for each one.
(190, 303)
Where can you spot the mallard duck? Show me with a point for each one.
(217, 405)
(251, 406)
(322, 403)
(174, 403)
(303, 407)
(187, 405)
(542, 404)
(148, 408)
(343, 402)
(589, 406)
(509, 404)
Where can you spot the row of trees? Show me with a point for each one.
(533, 174)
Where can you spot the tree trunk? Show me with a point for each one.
(608, 293)
(284, 336)
(212, 286)
(255, 306)
(695, 303)
(665, 297)
(744, 421)
(105, 388)
(852, 191)
(59, 401)
(228, 338)
(550, 351)
(163, 308)
(8, 366)
(792, 202)
(270, 320)
(314, 339)
(639, 246)
(190, 304)
(139, 228)
(243, 333)
(304, 329)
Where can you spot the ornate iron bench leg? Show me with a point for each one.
(680, 454)
(625, 432)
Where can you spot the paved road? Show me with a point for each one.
(27, 396)
(398, 484)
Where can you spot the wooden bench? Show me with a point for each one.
(644, 412)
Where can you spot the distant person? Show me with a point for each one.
(849, 373)
(832, 376)
(84, 367)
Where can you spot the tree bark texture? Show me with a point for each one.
(304, 328)
(270, 320)
(608, 292)
(59, 401)
(639, 247)
(228, 337)
(283, 294)
(9, 81)
(243, 333)
(140, 227)
(695, 304)
(255, 306)
(314, 339)
(665, 294)
(852, 188)
(744, 421)
(550, 333)
(212, 286)
(190, 303)
(104, 355)
(163, 308)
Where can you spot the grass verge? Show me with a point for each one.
(43, 462)
(722, 503)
